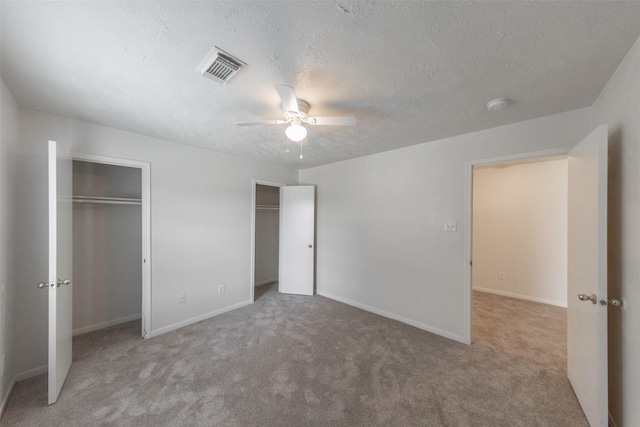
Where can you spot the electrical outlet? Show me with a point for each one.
(182, 298)
(355, 283)
(501, 276)
(221, 289)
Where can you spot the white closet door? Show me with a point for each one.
(297, 240)
(60, 268)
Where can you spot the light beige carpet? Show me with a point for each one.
(296, 361)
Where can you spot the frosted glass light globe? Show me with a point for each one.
(296, 132)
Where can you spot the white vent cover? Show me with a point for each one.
(219, 66)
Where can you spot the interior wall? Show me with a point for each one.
(267, 234)
(200, 224)
(9, 135)
(520, 230)
(618, 105)
(107, 247)
(380, 221)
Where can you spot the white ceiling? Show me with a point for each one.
(411, 72)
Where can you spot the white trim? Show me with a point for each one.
(7, 396)
(146, 227)
(266, 282)
(252, 279)
(103, 325)
(383, 313)
(466, 267)
(197, 319)
(523, 297)
(52, 354)
(468, 191)
(32, 373)
(519, 157)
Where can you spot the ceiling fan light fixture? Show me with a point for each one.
(296, 132)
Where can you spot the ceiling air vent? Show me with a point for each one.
(219, 66)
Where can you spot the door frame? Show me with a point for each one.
(252, 279)
(145, 168)
(468, 219)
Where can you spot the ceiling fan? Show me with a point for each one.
(296, 112)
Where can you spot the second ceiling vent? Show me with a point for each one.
(219, 66)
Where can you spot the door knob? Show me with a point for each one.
(42, 285)
(585, 297)
(613, 301)
(63, 282)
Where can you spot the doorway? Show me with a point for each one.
(586, 327)
(111, 257)
(469, 233)
(265, 234)
(519, 248)
(296, 236)
(519, 230)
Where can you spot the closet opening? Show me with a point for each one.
(110, 244)
(265, 237)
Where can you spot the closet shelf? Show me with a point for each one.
(107, 200)
(267, 207)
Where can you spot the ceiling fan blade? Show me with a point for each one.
(288, 97)
(261, 122)
(332, 121)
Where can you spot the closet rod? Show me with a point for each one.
(107, 200)
(268, 207)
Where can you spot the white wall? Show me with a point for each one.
(380, 221)
(9, 118)
(520, 229)
(107, 247)
(619, 106)
(201, 204)
(267, 234)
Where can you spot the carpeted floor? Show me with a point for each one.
(295, 361)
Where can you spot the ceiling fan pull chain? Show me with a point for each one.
(300, 149)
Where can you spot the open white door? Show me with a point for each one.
(297, 240)
(60, 267)
(587, 276)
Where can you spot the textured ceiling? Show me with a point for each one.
(411, 72)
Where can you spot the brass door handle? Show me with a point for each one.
(585, 297)
(63, 282)
(613, 301)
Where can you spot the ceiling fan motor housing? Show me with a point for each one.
(302, 113)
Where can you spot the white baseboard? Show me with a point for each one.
(266, 282)
(197, 319)
(7, 396)
(103, 325)
(524, 297)
(402, 319)
(32, 373)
